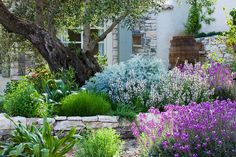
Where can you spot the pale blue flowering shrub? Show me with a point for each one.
(129, 81)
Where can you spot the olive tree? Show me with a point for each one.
(39, 21)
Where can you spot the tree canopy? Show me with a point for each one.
(40, 21)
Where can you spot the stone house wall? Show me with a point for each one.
(147, 29)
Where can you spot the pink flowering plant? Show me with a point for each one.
(221, 78)
(196, 130)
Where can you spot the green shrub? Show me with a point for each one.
(55, 90)
(127, 111)
(11, 87)
(129, 82)
(31, 141)
(84, 104)
(39, 77)
(1, 103)
(193, 24)
(202, 34)
(102, 143)
(25, 101)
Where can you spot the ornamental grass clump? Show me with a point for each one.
(196, 130)
(84, 104)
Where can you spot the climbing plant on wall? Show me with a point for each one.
(200, 11)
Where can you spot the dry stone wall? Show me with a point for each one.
(61, 124)
(214, 45)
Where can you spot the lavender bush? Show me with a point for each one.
(221, 79)
(182, 85)
(196, 130)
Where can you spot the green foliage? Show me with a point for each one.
(55, 90)
(84, 104)
(39, 77)
(193, 23)
(93, 12)
(126, 111)
(11, 87)
(199, 12)
(233, 65)
(231, 33)
(1, 103)
(31, 141)
(102, 60)
(233, 15)
(25, 101)
(102, 143)
(68, 77)
(202, 34)
(231, 37)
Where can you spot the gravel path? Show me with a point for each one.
(130, 149)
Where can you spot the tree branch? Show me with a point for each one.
(112, 26)
(11, 22)
(39, 13)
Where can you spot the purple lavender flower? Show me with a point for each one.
(204, 129)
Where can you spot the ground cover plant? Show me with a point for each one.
(37, 142)
(205, 129)
(1, 103)
(84, 104)
(100, 143)
(25, 101)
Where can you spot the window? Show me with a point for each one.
(137, 38)
(74, 38)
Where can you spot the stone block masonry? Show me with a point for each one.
(214, 45)
(62, 123)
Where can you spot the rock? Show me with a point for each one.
(110, 125)
(67, 125)
(50, 120)
(125, 123)
(5, 124)
(90, 119)
(110, 119)
(131, 149)
(18, 120)
(60, 118)
(39, 121)
(93, 125)
(30, 121)
(74, 118)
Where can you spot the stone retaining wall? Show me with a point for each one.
(214, 44)
(66, 123)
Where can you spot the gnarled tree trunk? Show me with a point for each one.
(53, 51)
